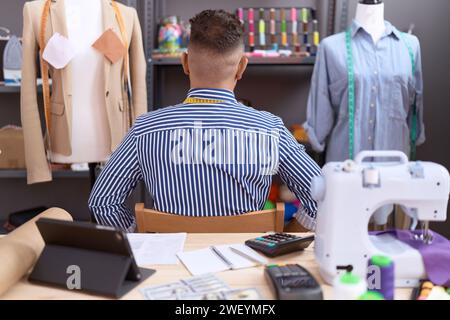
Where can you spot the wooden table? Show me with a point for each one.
(244, 278)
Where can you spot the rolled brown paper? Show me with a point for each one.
(20, 249)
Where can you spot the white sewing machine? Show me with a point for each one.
(349, 193)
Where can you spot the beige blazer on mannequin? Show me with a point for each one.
(38, 169)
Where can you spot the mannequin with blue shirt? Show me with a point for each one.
(379, 68)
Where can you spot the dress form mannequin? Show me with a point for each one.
(90, 128)
(370, 15)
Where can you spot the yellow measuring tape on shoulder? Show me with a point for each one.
(45, 67)
(201, 101)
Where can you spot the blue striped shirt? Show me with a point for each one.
(209, 156)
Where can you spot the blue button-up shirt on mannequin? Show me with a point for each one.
(384, 92)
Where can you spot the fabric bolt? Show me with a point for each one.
(436, 256)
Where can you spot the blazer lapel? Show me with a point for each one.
(59, 25)
(108, 23)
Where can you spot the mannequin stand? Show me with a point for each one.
(92, 178)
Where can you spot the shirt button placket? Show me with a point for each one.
(376, 90)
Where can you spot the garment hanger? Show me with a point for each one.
(7, 33)
(371, 1)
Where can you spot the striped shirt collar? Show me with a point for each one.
(212, 94)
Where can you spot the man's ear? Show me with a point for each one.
(241, 68)
(185, 63)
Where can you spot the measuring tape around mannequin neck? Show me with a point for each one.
(45, 67)
(351, 96)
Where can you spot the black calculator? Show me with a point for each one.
(277, 244)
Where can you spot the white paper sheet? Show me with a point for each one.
(207, 261)
(156, 249)
(202, 261)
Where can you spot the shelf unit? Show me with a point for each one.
(9, 89)
(58, 174)
(159, 66)
(253, 61)
(155, 10)
(15, 89)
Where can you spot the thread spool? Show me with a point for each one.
(316, 35)
(294, 20)
(426, 288)
(284, 40)
(305, 14)
(240, 14)
(371, 177)
(262, 28)
(251, 28)
(349, 287)
(294, 29)
(386, 274)
(305, 39)
(371, 295)
(305, 28)
(251, 14)
(273, 37)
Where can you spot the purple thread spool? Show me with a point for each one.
(386, 281)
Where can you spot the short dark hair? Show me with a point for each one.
(216, 30)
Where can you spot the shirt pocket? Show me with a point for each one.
(338, 91)
(57, 109)
(398, 100)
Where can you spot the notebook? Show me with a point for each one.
(220, 258)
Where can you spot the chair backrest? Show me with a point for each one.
(254, 222)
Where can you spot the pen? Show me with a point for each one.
(221, 256)
(246, 256)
